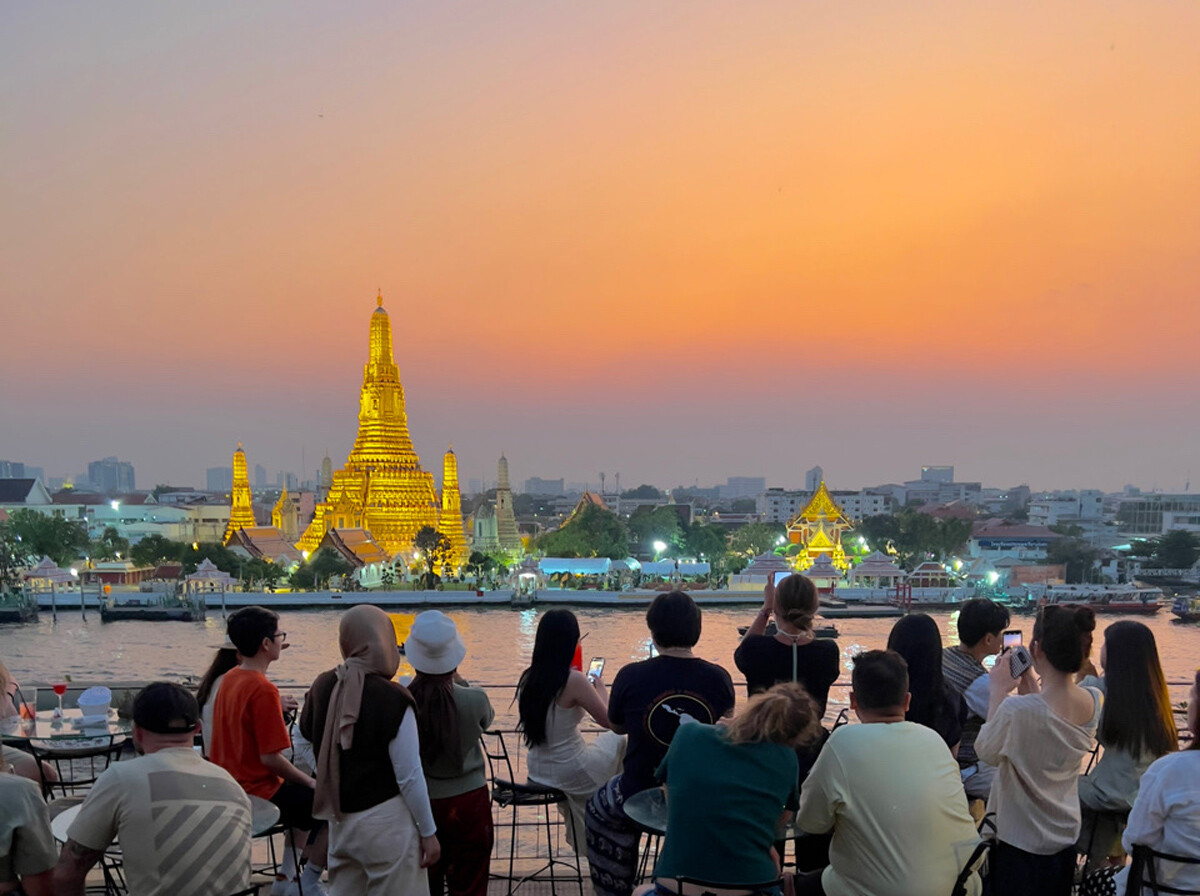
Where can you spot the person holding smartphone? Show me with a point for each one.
(1036, 740)
(552, 698)
(793, 652)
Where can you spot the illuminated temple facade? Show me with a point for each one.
(241, 510)
(817, 529)
(382, 487)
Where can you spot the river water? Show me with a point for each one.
(499, 643)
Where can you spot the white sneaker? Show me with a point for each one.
(313, 888)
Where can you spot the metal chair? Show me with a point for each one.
(1144, 871)
(974, 865)
(507, 794)
(77, 766)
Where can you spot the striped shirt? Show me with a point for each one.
(183, 824)
(959, 669)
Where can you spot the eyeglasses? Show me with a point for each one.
(282, 635)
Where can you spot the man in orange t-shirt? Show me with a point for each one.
(249, 739)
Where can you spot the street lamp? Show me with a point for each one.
(659, 547)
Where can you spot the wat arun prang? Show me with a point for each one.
(382, 487)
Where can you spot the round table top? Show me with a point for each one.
(263, 815)
(648, 810)
(71, 726)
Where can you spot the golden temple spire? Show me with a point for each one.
(241, 513)
(450, 523)
(382, 487)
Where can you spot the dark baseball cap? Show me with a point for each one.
(165, 708)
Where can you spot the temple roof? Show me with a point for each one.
(48, 570)
(207, 572)
(820, 540)
(765, 564)
(822, 506)
(876, 564)
(356, 545)
(265, 543)
(823, 568)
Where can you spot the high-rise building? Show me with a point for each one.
(535, 485)
(219, 479)
(382, 487)
(260, 476)
(12, 469)
(241, 511)
(111, 476)
(813, 479)
(742, 487)
(937, 474)
(326, 477)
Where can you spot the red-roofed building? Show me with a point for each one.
(996, 538)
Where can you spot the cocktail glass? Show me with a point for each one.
(60, 688)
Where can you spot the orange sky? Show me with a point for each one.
(956, 224)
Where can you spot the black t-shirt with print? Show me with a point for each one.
(650, 698)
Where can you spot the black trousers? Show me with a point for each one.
(1015, 872)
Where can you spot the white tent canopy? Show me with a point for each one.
(671, 567)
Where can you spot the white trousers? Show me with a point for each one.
(377, 853)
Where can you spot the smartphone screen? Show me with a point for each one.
(781, 575)
(596, 667)
(1012, 638)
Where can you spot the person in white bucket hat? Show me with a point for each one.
(433, 645)
(451, 715)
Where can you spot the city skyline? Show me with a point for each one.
(679, 243)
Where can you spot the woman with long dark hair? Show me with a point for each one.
(1136, 727)
(226, 658)
(551, 700)
(1166, 814)
(934, 704)
(451, 715)
(1037, 740)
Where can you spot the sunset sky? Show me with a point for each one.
(679, 241)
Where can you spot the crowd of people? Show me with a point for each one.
(382, 787)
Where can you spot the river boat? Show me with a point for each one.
(152, 608)
(1187, 608)
(1125, 600)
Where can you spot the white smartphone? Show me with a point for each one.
(780, 576)
(1018, 661)
(595, 668)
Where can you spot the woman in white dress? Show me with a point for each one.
(552, 698)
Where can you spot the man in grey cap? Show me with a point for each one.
(183, 823)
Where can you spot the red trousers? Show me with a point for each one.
(464, 831)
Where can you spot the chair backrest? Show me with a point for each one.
(499, 764)
(974, 865)
(76, 766)
(1144, 870)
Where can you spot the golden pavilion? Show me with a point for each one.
(241, 513)
(818, 529)
(382, 487)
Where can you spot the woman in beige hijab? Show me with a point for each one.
(370, 786)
